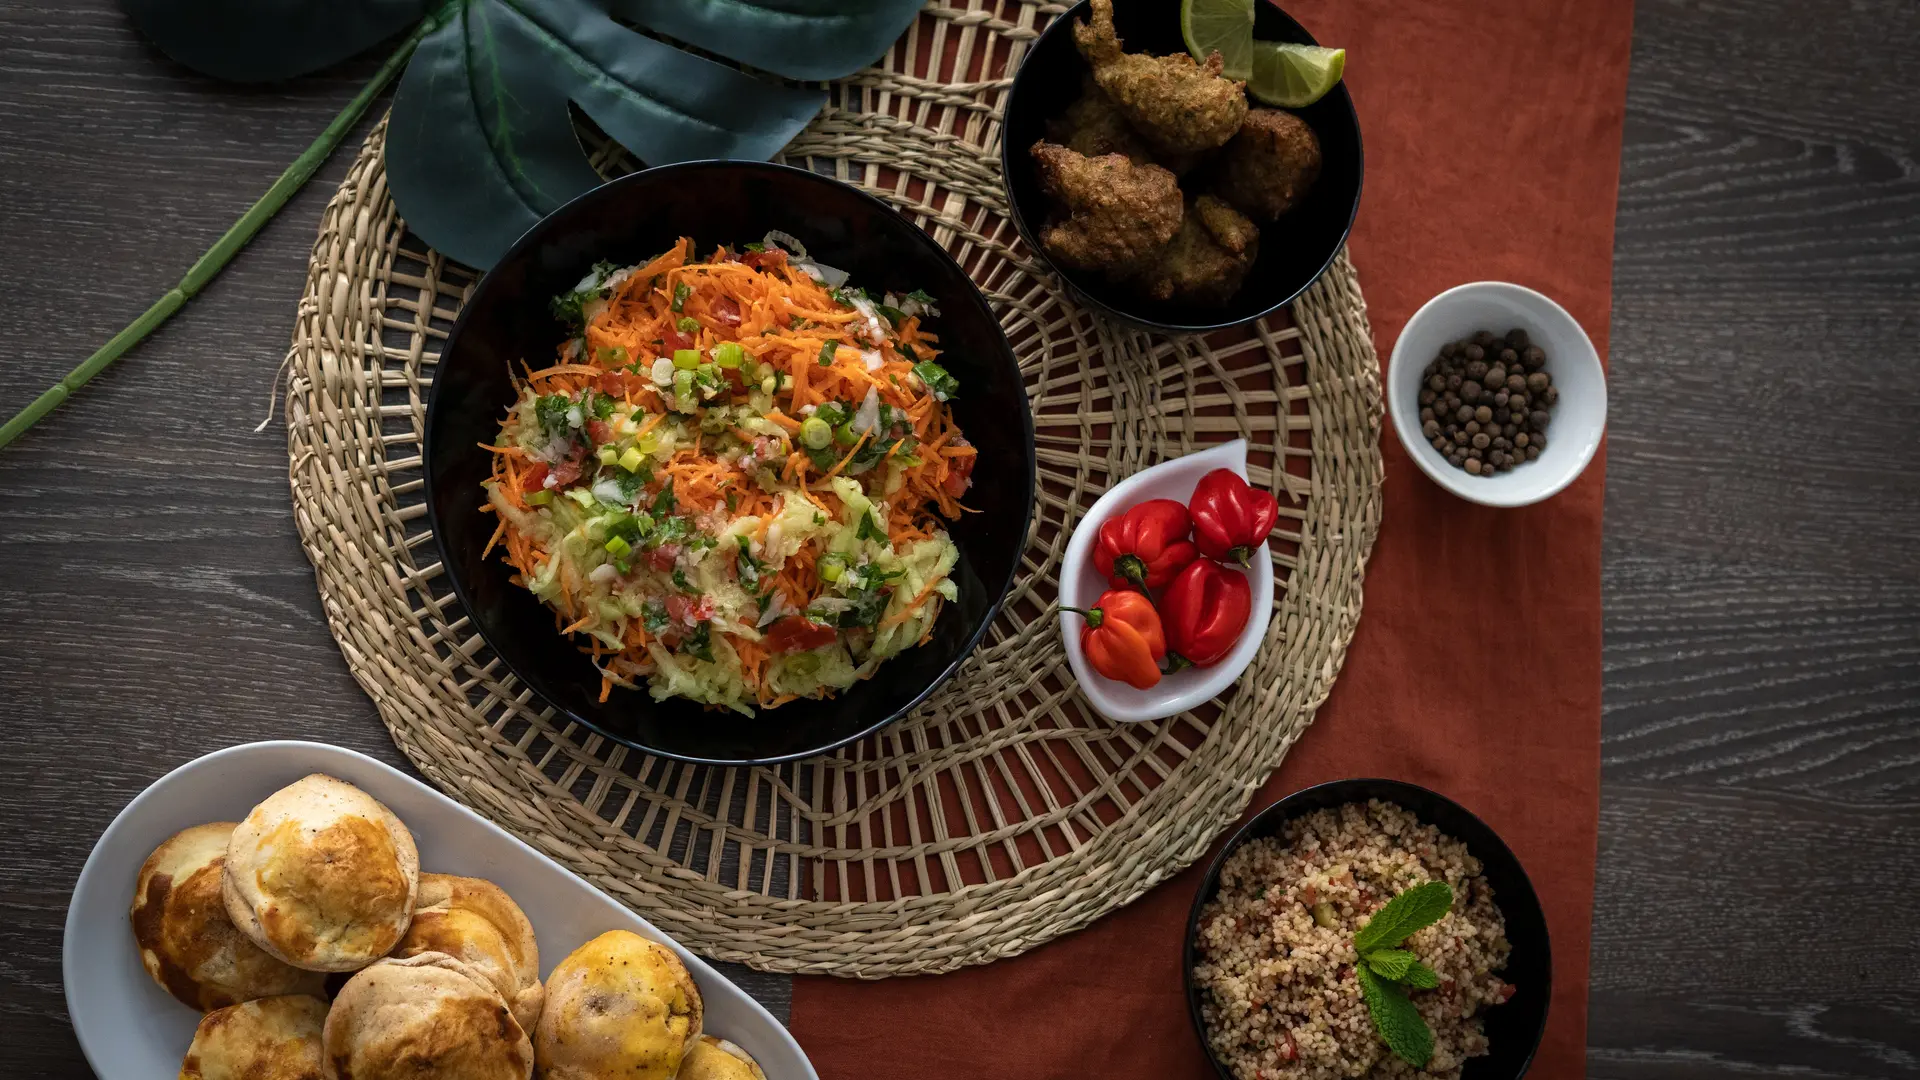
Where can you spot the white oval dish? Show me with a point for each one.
(131, 1029)
(1578, 420)
(1081, 584)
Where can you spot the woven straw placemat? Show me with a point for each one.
(1003, 812)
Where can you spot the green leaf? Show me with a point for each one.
(1413, 910)
(1391, 964)
(811, 40)
(267, 40)
(481, 144)
(1398, 1022)
(1421, 977)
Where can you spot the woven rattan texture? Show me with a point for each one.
(1001, 814)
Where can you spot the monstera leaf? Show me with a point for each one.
(481, 144)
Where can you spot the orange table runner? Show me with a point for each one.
(1492, 132)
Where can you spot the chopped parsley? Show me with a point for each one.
(827, 351)
(571, 307)
(653, 616)
(938, 379)
(869, 529)
(680, 580)
(681, 290)
(700, 644)
(894, 315)
(664, 502)
(551, 411)
(603, 406)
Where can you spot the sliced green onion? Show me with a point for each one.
(686, 359)
(729, 354)
(832, 566)
(619, 548)
(538, 498)
(687, 324)
(683, 389)
(632, 459)
(845, 435)
(827, 351)
(608, 454)
(649, 442)
(816, 433)
(615, 355)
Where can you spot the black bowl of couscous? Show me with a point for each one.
(1275, 983)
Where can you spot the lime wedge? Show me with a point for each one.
(1294, 76)
(1223, 26)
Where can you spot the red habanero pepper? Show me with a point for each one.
(1123, 639)
(1205, 610)
(1144, 546)
(1230, 518)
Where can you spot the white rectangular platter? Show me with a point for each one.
(131, 1029)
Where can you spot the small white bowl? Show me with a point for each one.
(1081, 584)
(1579, 418)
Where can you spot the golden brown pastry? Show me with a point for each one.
(477, 922)
(271, 1038)
(718, 1059)
(1117, 215)
(1178, 106)
(321, 875)
(427, 1017)
(1208, 258)
(619, 1006)
(1270, 165)
(187, 942)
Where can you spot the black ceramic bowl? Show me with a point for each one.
(629, 221)
(1294, 251)
(1513, 1028)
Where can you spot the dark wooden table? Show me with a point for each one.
(1760, 832)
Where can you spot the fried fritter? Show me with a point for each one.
(1208, 258)
(1178, 106)
(1117, 215)
(1270, 165)
(1092, 126)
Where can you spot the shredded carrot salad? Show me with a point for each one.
(734, 479)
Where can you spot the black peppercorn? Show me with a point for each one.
(1469, 391)
(1484, 414)
(1538, 381)
(1485, 401)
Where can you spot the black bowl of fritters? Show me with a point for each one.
(1259, 219)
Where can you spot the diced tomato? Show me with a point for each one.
(1293, 1048)
(662, 557)
(688, 610)
(536, 477)
(765, 260)
(797, 633)
(1506, 991)
(960, 477)
(566, 472)
(727, 310)
(674, 339)
(600, 431)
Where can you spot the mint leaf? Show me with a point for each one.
(1420, 976)
(1391, 964)
(1398, 1022)
(1413, 910)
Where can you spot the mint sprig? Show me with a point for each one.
(1386, 971)
(1404, 915)
(1400, 1024)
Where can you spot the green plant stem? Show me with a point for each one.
(209, 265)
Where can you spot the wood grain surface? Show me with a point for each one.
(1760, 835)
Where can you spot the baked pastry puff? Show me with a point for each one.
(477, 922)
(321, 875)
(271, 1038)
(187, 942)
(427, 1017)
(619, 1006)
(717, 1059)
